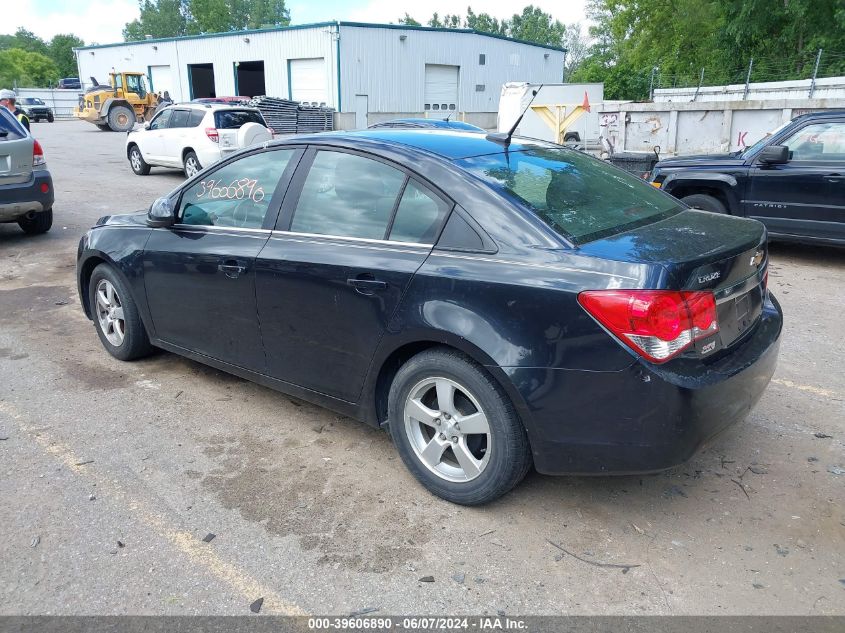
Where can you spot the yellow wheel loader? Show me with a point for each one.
(119, 105)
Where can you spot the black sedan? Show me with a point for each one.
(495, 304)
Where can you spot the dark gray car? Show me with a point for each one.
(26, 187)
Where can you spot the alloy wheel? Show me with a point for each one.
(191, 167)
(447, 429)
(110, 313)
(135, 159)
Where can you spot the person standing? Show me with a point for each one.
(8, 99)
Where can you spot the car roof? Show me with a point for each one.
(425, 123)
(213, 107)
(451, 144)
(821, 115)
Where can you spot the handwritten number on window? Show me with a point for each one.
(243, 189)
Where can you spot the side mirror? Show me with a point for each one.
(161, 213)
(774, 155)
(147, 125)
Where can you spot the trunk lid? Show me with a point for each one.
(698, 250)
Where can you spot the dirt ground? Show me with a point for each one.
(114, 473)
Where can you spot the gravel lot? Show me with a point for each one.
(113, 473)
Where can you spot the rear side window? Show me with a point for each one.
(580, 197)
(10, 129)
(196, 118)
(347, 196)
(235, 119)
(179, 118)
(419, 215)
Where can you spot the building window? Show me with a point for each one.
(482, 59)
(479, 87)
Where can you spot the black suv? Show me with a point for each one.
(36, 109)
(793, 180)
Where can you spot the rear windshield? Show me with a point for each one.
(580, 197)
(10, 129)
(235, 119)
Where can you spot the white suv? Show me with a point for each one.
(191, 136)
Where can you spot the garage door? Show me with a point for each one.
(441, 90)
(160, 79)
(308, 80)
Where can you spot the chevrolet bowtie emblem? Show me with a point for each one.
(758, 257)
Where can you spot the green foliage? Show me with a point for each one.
(680, 38)
(159, 18)
(173, 18)
(61, 52)
(408, 20)
(52, 59)
(532, 25)
(22, 68)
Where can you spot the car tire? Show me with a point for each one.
(137, 162)
(50, 118)
(121, 118)
(705, 203)
(116, 317)
(464, 467)
(191, 165)
(39, 223)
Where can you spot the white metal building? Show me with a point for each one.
(367, 72)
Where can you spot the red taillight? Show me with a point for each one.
(45, 187)
(37, 154)
(211, 133)
(657, 324)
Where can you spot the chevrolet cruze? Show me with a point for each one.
(495, 303)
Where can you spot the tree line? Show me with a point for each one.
(27, 60)
(630, 45)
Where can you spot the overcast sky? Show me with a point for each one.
(102, 21)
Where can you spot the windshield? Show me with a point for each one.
(236, 119)
(580, 197)
(763, 141)
(32, 101)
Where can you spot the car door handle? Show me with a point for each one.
(367, 285)
(833, 177)
(232, 268)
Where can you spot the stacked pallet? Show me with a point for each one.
(289, 117)
(314, 119)
(280, 114)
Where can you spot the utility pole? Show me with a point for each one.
(700, 81)
(651, 84)
(748, 79)
(815, 73)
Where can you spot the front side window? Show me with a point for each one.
(348, 196)
(820, 141)
(237, 194)
(580, 197)
(160, 122)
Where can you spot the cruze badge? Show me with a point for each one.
(709, 277)
(758, 257)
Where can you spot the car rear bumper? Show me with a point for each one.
(646, 417)
(18, 200)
